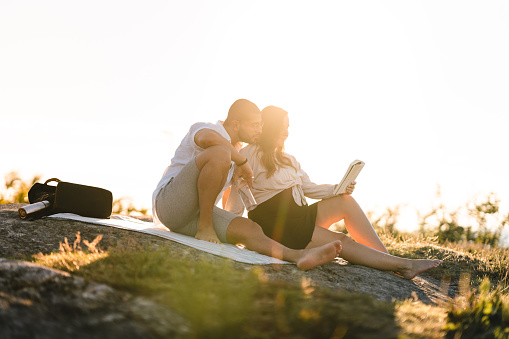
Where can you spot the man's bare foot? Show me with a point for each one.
(207, 234)
(319, 255)
(418, 266)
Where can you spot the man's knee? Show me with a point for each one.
(217, 156)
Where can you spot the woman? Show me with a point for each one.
(280, 187)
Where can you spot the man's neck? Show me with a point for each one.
(233, 136)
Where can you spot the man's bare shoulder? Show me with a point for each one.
(202, 125)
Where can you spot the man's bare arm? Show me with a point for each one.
(206, 138)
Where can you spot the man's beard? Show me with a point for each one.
(246, 138)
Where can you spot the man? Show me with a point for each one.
(204, 166)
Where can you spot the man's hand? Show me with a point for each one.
(245, 172)
(207, 234)
(350, 188)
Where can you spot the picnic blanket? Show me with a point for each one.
(224, 250)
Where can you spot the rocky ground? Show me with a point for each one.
(36, 301)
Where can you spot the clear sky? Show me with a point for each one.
(101, 92)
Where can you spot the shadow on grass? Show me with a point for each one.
(222, 301)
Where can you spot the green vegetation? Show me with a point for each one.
(16, 189)
(479, 221)
(222, 300)
(418, 320)
(484, 314)
(384, 222)
(126, 206)
(213, 298)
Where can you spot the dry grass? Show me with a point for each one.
(477, 260)
(72, 258)
(418, 320)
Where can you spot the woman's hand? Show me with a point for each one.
(350, 188)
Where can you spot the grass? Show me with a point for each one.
(72, 258)
(296, 312)
(480, 314)
(213, 298)
(222, 300)
(418, 320)
(476, 260)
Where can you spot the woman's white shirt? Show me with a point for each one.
(285, 177)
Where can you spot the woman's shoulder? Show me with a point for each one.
(291, 157)
(293, 160)
(249, 150)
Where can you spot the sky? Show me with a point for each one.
(101, 92)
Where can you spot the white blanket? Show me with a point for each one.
(224, 250)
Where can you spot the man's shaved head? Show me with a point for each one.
(241, 110)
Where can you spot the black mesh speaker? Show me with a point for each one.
(84, 200)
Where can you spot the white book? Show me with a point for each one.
(351, 174)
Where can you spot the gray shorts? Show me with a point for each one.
(177, 205)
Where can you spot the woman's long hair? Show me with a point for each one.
(272, 156)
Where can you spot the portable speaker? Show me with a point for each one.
(67, 197)
(84, 200)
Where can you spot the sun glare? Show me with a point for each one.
(415, 90)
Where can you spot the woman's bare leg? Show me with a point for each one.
(345, 207)
(360, 254)
(247, 232)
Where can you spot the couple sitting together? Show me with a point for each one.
(209, 164)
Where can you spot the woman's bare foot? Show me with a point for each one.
(319, 255)
(418, 266)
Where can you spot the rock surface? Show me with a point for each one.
(39, 302)
(59, 304)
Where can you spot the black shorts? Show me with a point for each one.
(284, 221)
